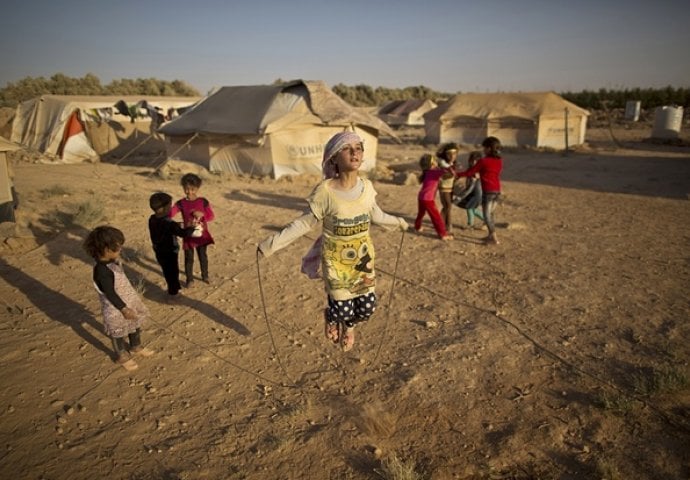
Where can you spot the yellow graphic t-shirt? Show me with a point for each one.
(347, 252)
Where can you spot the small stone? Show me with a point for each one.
(10, 409)
(62, 420)
(81, 408)
(58, 430)
(69, 411)
(378, 453)
(431, 324)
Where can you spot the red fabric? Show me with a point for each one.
(429, 206)
(188, 208)
(489, 169)
(430, 183)
(72, 127)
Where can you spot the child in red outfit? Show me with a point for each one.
(196, 212)
(489, 168)
(431, 175)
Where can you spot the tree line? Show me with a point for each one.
(649, 97)
(59, 84)
(356, 95)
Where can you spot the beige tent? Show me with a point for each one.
(6, 199)
(405, 112)
(77, 128)
(517, 119)
(271, 130)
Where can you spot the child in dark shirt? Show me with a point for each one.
(164, 232)
(123, 310)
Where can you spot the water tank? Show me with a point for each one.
(667, 122)
(632, 110)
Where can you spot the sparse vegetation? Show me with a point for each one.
(618, 403)
(87, 214)
(394, 468)
(54, 191)
(656, 382)
(606, 470)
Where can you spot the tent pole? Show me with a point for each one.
(134, 149)
(565, 153)
(196, 134)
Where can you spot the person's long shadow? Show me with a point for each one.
(55, 305)
(156, 294)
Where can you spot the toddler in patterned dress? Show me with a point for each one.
(123, 311)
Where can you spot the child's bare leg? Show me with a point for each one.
(331, 331)
(121, 355)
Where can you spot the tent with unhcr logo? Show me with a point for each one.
(268, 130)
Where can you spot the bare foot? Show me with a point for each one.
(447, 238)
(142, 352)
(127, 363)
(491, 240)
(331, 329)
(348, 340)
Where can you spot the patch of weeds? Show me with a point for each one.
(394, 468)
(618, 404)
(87, 214)
(54, 191)
(606, 470)
(139, 285)
(668, 380)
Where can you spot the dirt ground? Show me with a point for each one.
(560, 353)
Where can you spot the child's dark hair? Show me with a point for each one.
(159, 200)
(445, 148)
(190, 179)
(425, 163)
(494, 146)
(101, 238)
(473, 157)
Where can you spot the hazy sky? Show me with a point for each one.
(448, 45)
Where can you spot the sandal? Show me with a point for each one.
(331, 331)
(347, 340)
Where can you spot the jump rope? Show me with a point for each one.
(667, 417)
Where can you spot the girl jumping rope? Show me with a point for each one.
(346, 204)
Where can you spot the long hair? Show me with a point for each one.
(425, 163)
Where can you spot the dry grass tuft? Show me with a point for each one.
(394, 468)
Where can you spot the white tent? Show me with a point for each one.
(405, 112)
(6, 199)
(77, 128)
(268, 129)
(517, 119)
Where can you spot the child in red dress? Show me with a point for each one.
(196, 212)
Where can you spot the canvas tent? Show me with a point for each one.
(271, 130)
(405, 112)
(6, 198)
(77, 128)
(517, 119)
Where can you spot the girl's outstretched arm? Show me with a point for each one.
(298, 227)
(390, 222)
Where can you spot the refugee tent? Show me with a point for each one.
(6, 195)
(271, 130)
(77, 128)
(405, 112)
(517, 119)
